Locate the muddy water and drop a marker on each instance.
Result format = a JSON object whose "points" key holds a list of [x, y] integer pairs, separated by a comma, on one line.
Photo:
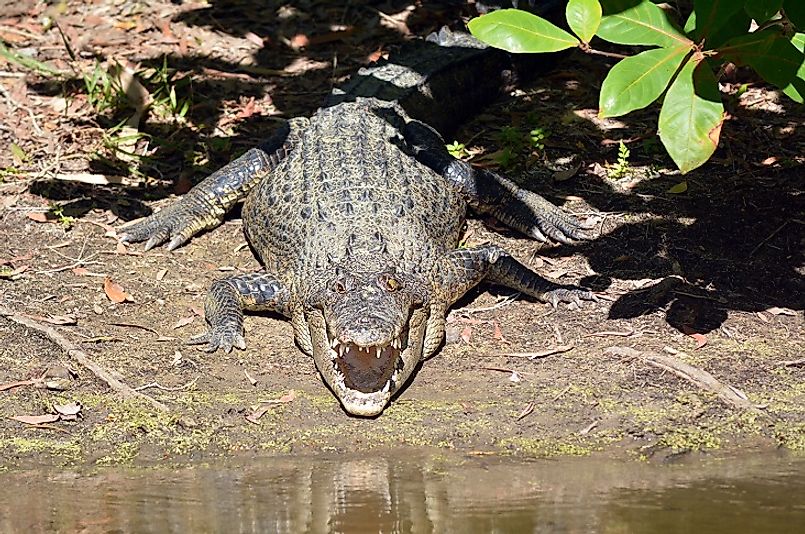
{"points": [[409, 492]]}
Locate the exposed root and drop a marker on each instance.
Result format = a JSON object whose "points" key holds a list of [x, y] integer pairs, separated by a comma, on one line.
{"points": [[698, 377], [81, 357]]}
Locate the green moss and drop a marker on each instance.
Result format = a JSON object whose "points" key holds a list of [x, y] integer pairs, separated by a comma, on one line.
{"points": [[689, 439], [69, 451], [544, 448], [124, 454], [791, 436]]}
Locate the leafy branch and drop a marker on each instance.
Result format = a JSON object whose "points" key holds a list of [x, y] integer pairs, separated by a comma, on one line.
{"points": [[679, 63]]}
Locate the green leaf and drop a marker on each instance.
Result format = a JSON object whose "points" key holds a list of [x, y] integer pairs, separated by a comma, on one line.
{"points": [[681, 187], [795, 11], [775, 58], [637, 81], [691, 116], [514, 30], [638, 22], [712, 15], [796, 88], [19, 154], [762, 10], [583, 17], [690, 24]]}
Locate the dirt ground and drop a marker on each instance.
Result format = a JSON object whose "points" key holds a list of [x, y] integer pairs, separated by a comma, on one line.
{"points": [[705, 284]]}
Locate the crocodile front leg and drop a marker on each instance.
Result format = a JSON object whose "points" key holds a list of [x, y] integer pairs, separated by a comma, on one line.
{"points": [[205, 205], [226, 301], [460, 270], [488, 192]]}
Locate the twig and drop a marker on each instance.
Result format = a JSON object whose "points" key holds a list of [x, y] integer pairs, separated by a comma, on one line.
{"points": [[16, 105], [774, 233], [560, 394], [166, 388], [792, 363], [606, 333], [692, 374], [540, 354], [81, 357], [503, 302]]}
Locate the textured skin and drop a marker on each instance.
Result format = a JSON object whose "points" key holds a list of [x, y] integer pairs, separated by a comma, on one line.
{"points": [[356, 214]]}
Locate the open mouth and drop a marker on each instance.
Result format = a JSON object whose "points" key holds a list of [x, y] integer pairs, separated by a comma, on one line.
{"points": [[368, 369]]}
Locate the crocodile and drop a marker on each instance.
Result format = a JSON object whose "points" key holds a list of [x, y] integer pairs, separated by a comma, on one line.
{"points": [[356, 215]]}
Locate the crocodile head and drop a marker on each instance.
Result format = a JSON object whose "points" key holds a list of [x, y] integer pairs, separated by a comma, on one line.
{"points": [[367, 331]]}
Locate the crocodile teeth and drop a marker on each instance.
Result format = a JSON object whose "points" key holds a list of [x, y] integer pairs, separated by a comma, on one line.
{"points": [[334, 343], [379, 352], [387, 387]]}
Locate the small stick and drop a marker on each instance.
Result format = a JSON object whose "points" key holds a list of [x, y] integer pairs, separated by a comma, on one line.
{"points": [[774, 233], [166, 388], [792, 363], [540, 354], [692, 374], [81, 357]]}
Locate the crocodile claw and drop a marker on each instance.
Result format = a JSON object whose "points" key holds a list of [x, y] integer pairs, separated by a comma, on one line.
{"points": [[219, 338]]}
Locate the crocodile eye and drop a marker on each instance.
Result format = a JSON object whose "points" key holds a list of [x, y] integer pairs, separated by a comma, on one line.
{"points": [[391, 284], [339, 287]]}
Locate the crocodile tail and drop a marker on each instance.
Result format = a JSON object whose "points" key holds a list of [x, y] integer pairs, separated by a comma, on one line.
{"points": [[441, 80]]}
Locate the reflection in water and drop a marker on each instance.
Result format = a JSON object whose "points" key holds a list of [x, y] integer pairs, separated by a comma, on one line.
{"points": [[410, 492]]}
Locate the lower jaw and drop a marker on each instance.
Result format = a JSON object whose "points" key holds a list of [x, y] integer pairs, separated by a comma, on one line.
{"points": [[364, 404]]}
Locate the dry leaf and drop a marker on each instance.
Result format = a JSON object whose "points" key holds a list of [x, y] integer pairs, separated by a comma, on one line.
{"points": [[36, 419], [254, 38], [69, 409], [264, 406], [466, 334], [60, 319], [556, 274], [299, 40], [115, 292], [701, 339], [38, 216], [526, 411], [80, 271], [774, 310], [497, 334], [184, 321], [161, 274], [17, 383]]}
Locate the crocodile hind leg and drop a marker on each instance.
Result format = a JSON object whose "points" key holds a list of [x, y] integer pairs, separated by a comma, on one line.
{"points": [[488, 192], [205, 205], [226, 301]]}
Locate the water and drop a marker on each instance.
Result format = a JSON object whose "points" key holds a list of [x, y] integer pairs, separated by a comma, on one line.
{"points": [[407, 491]]}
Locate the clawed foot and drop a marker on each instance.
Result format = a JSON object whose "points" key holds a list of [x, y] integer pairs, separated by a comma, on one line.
{"points": [[224, 337], [175, 224], [570, 295]]}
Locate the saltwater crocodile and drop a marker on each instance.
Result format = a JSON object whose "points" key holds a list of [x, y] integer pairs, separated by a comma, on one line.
{"points": [[356, 214]]}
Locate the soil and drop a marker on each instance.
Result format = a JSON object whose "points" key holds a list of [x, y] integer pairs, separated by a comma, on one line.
{"points": [[711, 276]]}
